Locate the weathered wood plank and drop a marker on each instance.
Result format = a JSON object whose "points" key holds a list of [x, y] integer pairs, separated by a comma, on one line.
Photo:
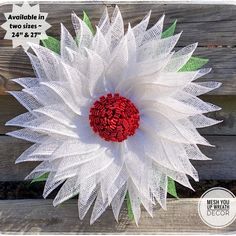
{"points": [[10, 108], [207, 24], [15, 63], [39, 216], [222, 165]]}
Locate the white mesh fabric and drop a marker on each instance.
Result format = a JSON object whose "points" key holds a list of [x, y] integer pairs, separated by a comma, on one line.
{"points": [[116, 29], [155, 48], [28, 135], [26, 100], [51, 184], [100, 46], [27, 82], [67, 41], [139, 65], [68, 190], [83, 34], [84, 207], [99, 207], [118, 200], [180, 58], [104, 23], [140, 29], [37, 67], [154, 32]]}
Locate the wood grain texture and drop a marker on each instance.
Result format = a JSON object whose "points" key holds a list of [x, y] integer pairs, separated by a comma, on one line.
{"points": [[14, 63], [222, 165], [39, 216], [10, 108], [207, 24]]}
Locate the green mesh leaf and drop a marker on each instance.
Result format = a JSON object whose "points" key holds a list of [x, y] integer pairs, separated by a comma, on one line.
{"points": [[41, 178], [52, 44], [129, 207], [171, 189], [193, 64], [87, 21], [170, 31]]}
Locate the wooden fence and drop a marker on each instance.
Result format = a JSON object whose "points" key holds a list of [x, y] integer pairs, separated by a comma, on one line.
{"points": [[214, 27]]}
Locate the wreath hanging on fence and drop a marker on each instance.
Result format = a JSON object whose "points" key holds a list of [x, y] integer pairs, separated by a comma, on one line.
{"points": [[114, 114]]}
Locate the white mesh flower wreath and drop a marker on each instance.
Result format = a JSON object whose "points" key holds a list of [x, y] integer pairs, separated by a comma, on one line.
{"points": [[113, 113]]}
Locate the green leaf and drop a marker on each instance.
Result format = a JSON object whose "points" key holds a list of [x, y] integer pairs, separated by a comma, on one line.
{"points": [[52, 44], [87, 21], [170, 31], [193, 64], [129, 207], [41, 178], [171, 188]]}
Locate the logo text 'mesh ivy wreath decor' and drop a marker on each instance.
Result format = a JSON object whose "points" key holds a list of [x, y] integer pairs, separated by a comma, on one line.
{"points": [[114, 114]]}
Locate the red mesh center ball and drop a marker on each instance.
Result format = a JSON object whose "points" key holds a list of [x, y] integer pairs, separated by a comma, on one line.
{"points": [[114, 117]]}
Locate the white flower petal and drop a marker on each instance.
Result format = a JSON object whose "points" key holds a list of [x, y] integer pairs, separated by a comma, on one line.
{"points": [[26, 100], [47, 147], [158, 186], [95, 73], [61, 89], [84, 207], [193, 152], [118, 201], [116, 69], [67, 41], [195, 102], [21, 119], [135, 202], [37, 67], [176, 176], [42, 168], [78, 62], [117, 28], [120, 180], [157, 48], [49, 61], [68, 190], [104, 23], [59, 113], [88, 188], [140, 29], [100, 46], [83, 33], [201, 121], [96, 166], [51, 184], [171, 130], [154, 32], [180, 58], [197, 89], [99, 207], [25, 155], [27, 82], [28, 135], [75, 147]]}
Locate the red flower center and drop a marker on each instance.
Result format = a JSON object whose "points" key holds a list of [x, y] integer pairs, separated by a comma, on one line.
{"points": [[114, 117]]}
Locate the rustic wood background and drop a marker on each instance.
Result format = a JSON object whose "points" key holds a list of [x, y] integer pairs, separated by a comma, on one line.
{"points": [[214, 27]]}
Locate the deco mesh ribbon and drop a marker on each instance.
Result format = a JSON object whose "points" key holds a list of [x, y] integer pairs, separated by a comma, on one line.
{"points": [[114, 114]]}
